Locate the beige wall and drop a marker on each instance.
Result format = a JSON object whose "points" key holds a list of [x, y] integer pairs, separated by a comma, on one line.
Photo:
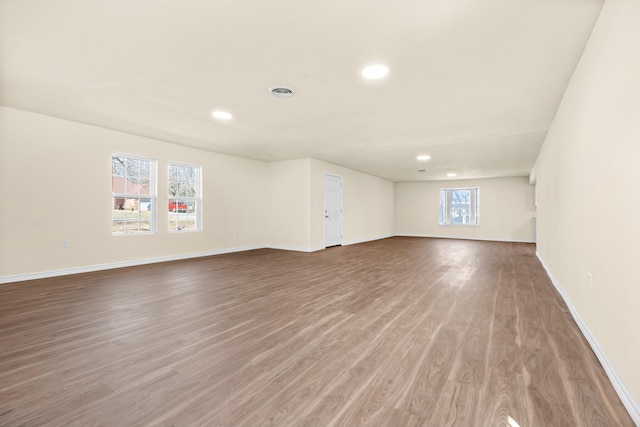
{"points": [[297, 205], [289, 205], [58, 173], [506, 210], [55, 185], [587, 190], [367, 201]]}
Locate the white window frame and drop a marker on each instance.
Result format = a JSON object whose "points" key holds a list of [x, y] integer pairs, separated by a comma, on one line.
{"points": [[474, 202], [196, 199], [124, 195]]}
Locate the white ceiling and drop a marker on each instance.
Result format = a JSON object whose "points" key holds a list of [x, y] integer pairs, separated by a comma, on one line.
{"points": [[475, 84]]}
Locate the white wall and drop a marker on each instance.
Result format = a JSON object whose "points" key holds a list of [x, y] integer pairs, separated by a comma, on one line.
{"points": [[506, 210], [588, 176], [55, 178]]}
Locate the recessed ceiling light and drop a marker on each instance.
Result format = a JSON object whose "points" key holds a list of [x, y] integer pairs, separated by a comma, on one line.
{"points": [[423, 157], [222, 115], [375, 71], [452, 174]]}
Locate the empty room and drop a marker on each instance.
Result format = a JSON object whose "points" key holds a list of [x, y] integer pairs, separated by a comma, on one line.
{"points": [[409, 213]]}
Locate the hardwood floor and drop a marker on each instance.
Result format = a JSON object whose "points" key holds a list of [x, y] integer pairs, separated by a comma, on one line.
{"points": [[396, 332]]}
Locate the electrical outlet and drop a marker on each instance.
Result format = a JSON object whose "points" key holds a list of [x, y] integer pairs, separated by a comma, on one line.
{"points": [[65, 244], [589, 282]]}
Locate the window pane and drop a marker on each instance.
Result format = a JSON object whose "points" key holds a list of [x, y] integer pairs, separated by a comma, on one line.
{"points": [[131, 178], [186, 189], [145, 169], [133, 167], [176, 205], [459, 206], [181, 173], [184, 197], [185, 218], [145, 187], [130, 186], [117, 166], [443, 206], [145, 204]]}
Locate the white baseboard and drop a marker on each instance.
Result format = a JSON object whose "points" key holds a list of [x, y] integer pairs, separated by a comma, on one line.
{"points": [[486, 239], [109, 266], [318, 248], [293, 248], [626, 398], [90, 268], [355, 242]]}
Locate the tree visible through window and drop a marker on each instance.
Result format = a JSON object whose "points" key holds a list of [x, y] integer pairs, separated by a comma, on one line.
{"points": [[184, 197], [459, 206], [133, 204]]}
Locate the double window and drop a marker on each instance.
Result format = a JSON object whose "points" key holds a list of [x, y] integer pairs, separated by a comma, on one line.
{"points": [[134, 207], [133, 195], [459, 206], [184, 197]]}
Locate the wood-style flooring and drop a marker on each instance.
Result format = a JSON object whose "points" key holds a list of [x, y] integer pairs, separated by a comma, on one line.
{"points": [[396, 332]]}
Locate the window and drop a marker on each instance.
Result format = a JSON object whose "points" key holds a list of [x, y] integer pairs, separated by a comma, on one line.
{"points": [[459, 206], [184, 197], [133, 188]]}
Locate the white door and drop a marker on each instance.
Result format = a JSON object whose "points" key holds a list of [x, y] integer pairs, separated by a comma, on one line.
{"points": [[332, 210]]}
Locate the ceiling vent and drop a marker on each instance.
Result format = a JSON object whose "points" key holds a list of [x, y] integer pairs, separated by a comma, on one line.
{"points": [[282, 91]]}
